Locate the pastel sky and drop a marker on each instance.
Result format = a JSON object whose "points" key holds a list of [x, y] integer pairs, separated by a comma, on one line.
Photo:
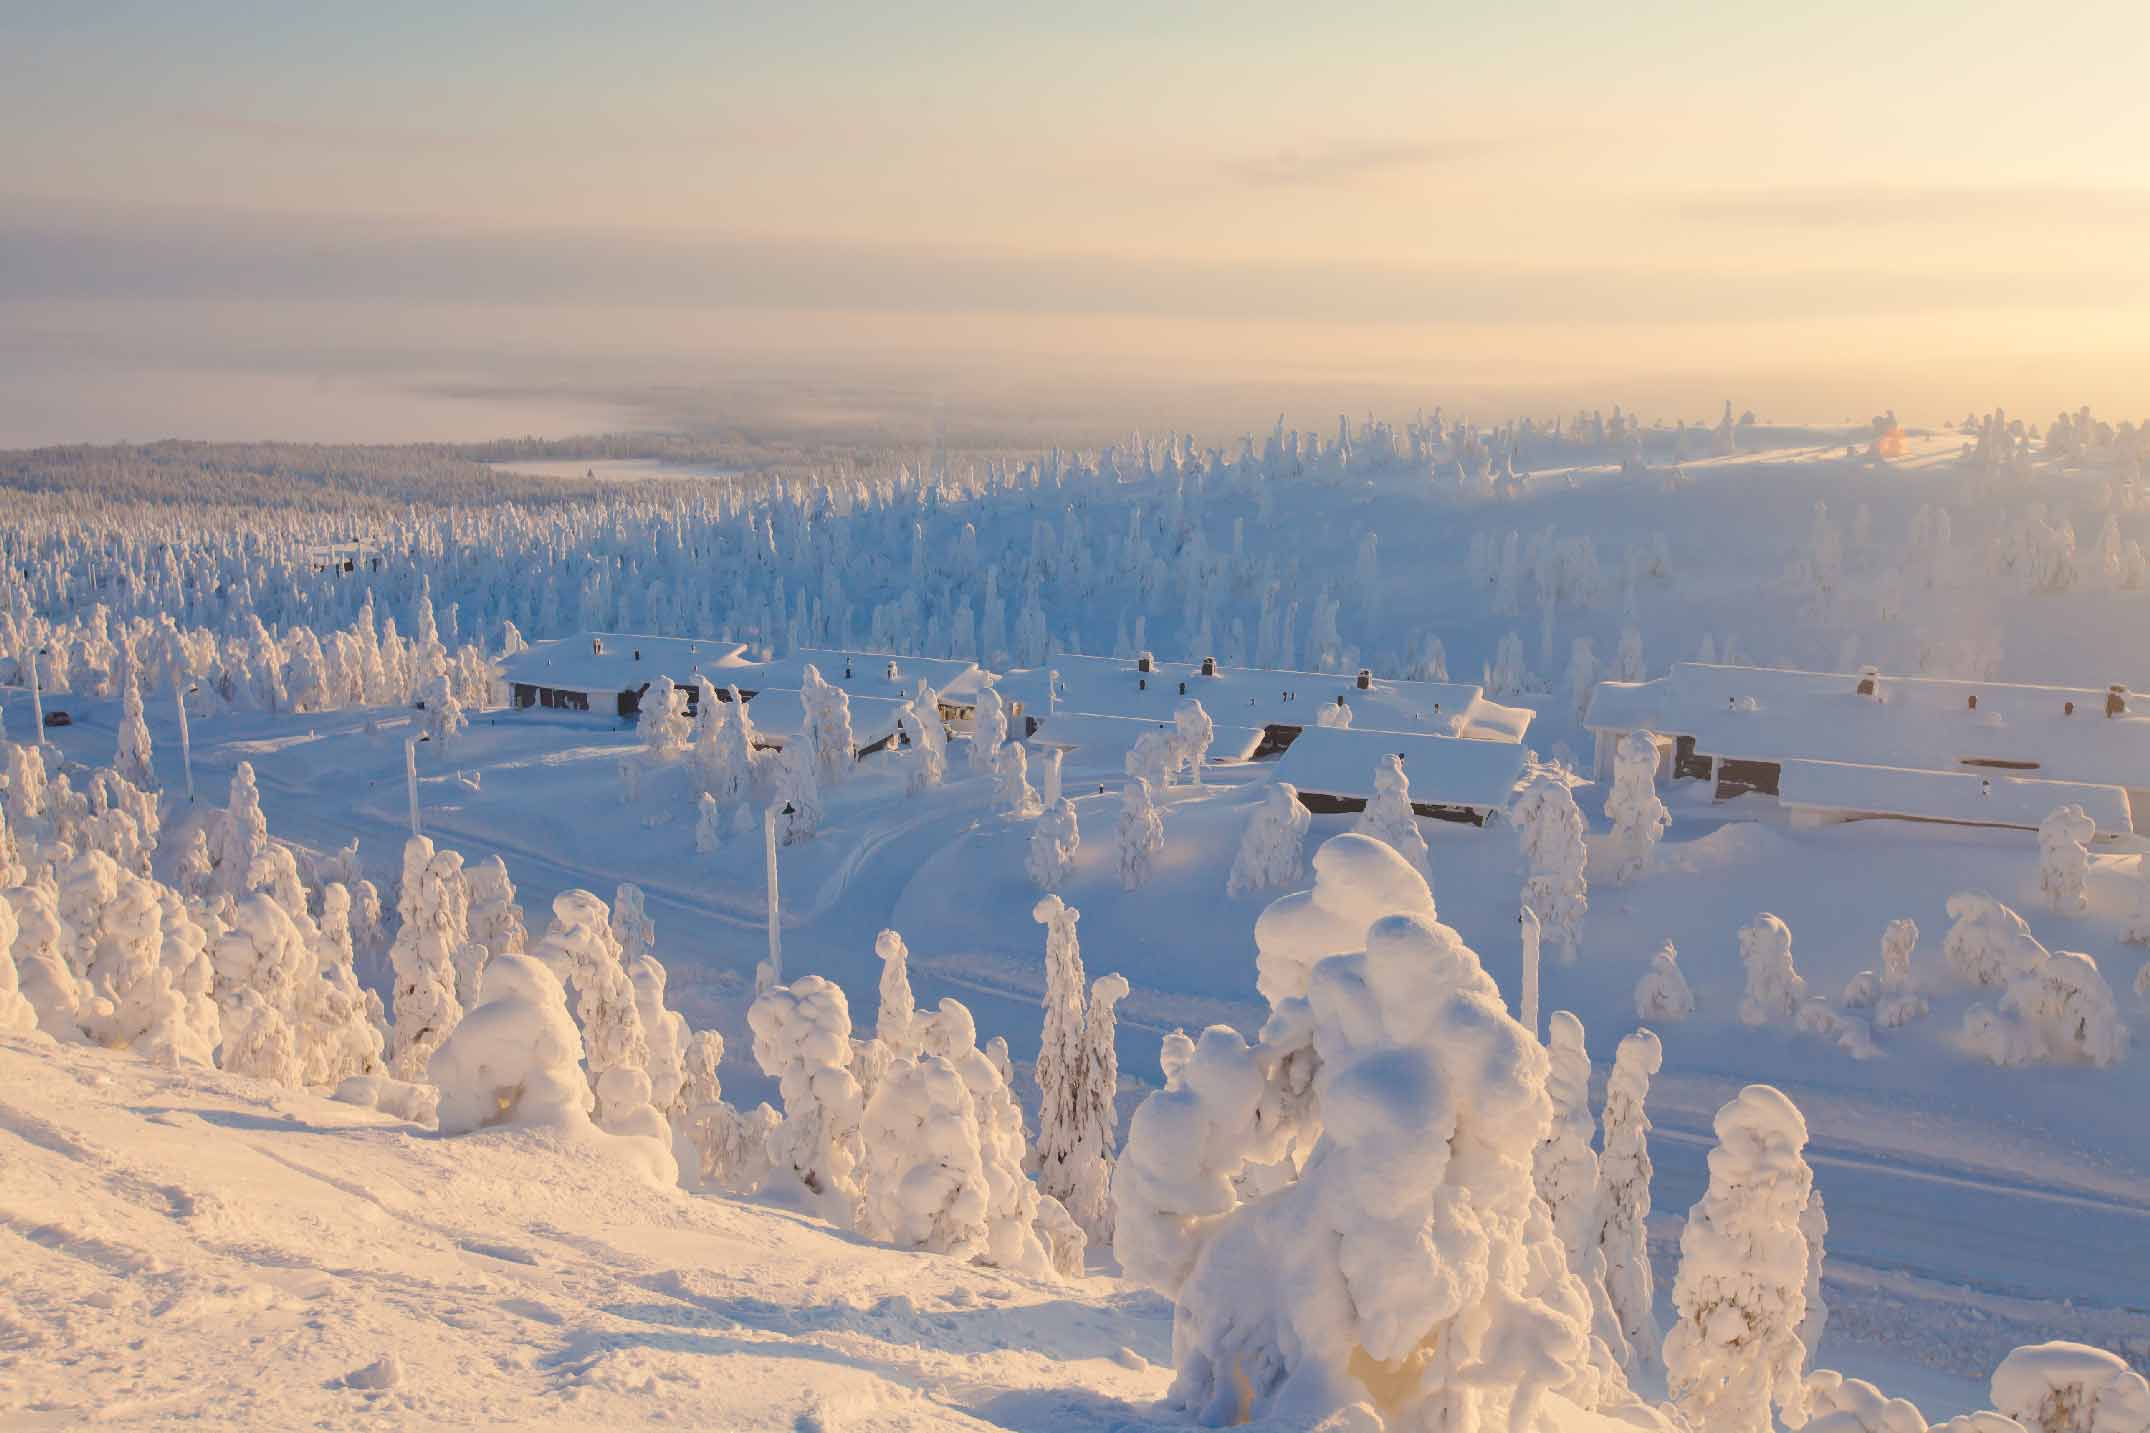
{"points": [[1805, 206]]}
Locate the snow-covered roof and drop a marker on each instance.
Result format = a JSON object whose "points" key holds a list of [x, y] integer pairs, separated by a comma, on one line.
{"points": [[610, 662], [1108, 739], [1919, 723], [1258, 697], [780, 715], [1443, 770], [1960, 796]]}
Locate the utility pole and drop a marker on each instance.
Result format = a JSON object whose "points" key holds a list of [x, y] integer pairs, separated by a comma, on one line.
{"points": [[771, 972]]}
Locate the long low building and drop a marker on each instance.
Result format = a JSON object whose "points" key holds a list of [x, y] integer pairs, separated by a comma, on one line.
{"points": [[1452, 778], [1770, 731], [609, 671], [1282, 704]]}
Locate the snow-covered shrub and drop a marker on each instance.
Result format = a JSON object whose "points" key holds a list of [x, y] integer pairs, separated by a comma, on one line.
{"points": [[515, 1059], [1565, 1170], [2071, 1388], [1550, 827], [2060, 1011], [1582, 677], [1065, 1243], [1192, 732], [259, 964], [434, 904], [720, 1147], [2064, 859], [1775, 989], [1663, 993], [1988, 944], [1624, 1173], [1388, 816], [1139, 835], [1272, 852], [802, 1039], [708, 825], [1054, 838], [1837, 1404], [42, 973], [1356, 880], [1012, 791], [1334, 715], [1733, 1350], [17, 1015], [1638, 816]]}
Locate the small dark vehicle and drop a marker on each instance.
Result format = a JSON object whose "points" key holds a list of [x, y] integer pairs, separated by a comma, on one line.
{"points": [[58, 719]]}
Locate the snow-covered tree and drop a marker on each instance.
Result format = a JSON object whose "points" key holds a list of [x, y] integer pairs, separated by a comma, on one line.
{"points": [[802, 1039], [828, 725], [496, 921], [1663, 992], [1097, 1134], [240, 836], [708, 825], [1582, 677], [1013, 1205], [1988, 944], [1893, 995], [798, 794], [661, 720], [1628, 663], [2059, 1011], [922, 1175], [434, 904], [1272, 851], [17, 1015], [1192, 732], [2071, 1388], [1733, 1350], [581, 945], [2064, 859], [341, 1038], [665, 1031], [1012, 791], [445, 718], [735, 763], [43, 973], [132, 759], [1139, 835], [928, 737], [989, 732], [1549, 827], [896, 1021], [515, 1060], [1638, 816], [1054, 839], [1624, 1173], [260, 963], [1775, 989], [1060, 1069], [1389, 817], [1814, 1228], [1836, 1404], [1565, 1170], [721, 1147]]}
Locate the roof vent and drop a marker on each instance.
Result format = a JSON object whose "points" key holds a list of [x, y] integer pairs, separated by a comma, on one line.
{"points": [[1145, 663], [1209, 666], [1366, 679]]}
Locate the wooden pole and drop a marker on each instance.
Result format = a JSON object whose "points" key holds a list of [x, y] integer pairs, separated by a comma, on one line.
{"points": [[1531, 937], [771, 972], [186, 738], [410, 778], [37, 697]]}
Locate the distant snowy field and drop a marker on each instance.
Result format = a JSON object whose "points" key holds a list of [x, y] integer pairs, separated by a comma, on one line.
{"points": [[268, 1243]]}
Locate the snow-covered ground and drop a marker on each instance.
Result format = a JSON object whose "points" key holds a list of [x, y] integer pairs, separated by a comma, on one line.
{"points": [[201, 1245]]}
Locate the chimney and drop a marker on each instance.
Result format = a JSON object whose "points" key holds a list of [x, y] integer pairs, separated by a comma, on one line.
{"points": [[1366, 679], [1145, 663], [1209, 666], [597, 646], [2116, 700]]}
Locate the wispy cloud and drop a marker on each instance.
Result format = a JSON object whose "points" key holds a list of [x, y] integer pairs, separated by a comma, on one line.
{"points": [[1901, 206], [1342, 163]]}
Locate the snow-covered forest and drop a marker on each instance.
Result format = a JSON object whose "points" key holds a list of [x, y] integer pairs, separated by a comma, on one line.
{"points": [[871, 1025]]}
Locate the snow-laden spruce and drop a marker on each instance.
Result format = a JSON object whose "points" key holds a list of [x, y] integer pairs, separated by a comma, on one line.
{"points": [[17, 1015], [1139, 834], [1097, 1125], [922, 1175], [716, 1146], [1012, 791], [1733, 1352], [802, 1039], [515, 1059], [1013, 1239], [1988, 944], [1814, 1228], [1192, 732], [131, 758], [1565, 1171], [581, 946], [1624, 1173], [664, 1029], [989, 732], [1060, 1069], [496, 921], [1775, 989], [1388, 817], [2064, 859], [1852, 1405], [2060, 1011], [434, 905], [1054, 838], [1407, 1263], [896, 1020], [1272, 850], [1663, 992], [1549, 826], [1638, 816]]}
